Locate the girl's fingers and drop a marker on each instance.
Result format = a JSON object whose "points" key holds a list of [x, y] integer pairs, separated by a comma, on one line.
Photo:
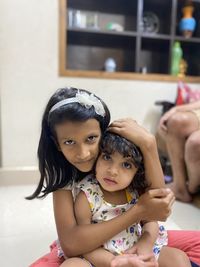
{"points": [[161, 192], [134, 261], [170, 198], [132, 250], [121, 122], [149, 260], [147, 257], [116, 125]]}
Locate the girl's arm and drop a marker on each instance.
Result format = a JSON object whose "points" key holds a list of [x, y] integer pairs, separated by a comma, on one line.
{"points": [[132, 131], [145, 244], [79, 239], [98, 257]]}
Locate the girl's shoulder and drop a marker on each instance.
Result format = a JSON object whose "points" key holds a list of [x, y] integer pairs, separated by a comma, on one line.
{"points": [[69, 186], [72, 186], [90, 186], [89, 182]]}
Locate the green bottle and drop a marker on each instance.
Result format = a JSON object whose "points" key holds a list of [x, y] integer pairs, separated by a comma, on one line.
{"points": [[177, 55]]}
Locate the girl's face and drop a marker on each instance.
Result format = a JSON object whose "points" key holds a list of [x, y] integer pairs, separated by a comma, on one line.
{"points": [[79, 142], [114, 172]]}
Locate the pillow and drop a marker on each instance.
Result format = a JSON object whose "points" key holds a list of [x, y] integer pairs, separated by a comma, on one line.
{"points": [[186, 95]]}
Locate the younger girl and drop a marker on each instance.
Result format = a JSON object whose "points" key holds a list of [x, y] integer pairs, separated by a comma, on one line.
{"points": [[119, 179], [72, 125]]}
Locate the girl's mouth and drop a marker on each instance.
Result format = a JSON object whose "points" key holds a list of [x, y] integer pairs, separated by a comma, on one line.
{"points": [[109, 181]]}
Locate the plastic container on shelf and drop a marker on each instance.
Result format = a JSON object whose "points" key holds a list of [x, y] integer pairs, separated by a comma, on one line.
{"points": [[110, 65], [187, 23], [177, 55]]}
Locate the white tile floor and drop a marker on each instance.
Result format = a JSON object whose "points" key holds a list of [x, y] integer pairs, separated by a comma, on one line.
{"points": [[27, 227]]}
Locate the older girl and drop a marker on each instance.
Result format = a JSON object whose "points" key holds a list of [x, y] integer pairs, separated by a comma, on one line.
{"points": [[72, 125]]}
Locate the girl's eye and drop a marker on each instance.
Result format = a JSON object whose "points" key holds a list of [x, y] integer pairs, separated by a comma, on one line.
{"points": [[92, 138], [69, 142], [106, 157], [127, 165]]}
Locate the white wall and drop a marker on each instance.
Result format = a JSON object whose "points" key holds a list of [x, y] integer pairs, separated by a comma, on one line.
{"points": [[29, 75]]}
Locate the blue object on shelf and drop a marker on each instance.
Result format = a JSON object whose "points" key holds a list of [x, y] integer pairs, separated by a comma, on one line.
{"points": [[187, 24]]}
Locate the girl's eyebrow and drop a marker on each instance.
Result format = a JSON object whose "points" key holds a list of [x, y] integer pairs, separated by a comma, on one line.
{"points": [[72, 138], [66, 137], [94, 133]]}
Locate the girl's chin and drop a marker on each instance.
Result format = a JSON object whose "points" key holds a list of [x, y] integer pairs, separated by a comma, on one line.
{"points": [[85, 168]]}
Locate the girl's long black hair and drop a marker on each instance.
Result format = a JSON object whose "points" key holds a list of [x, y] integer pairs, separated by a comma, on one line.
{"points": [[112, 142], [55, 170]]}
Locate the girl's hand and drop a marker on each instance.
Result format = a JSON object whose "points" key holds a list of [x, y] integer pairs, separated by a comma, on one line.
{"points": [[156, 204], [129, 129], [132, 260], [140, 249]]}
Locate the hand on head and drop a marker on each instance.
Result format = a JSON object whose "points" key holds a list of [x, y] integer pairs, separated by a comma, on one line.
{"points": [[131, 130]]}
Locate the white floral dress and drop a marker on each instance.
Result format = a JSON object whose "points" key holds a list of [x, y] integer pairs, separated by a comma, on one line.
{"points": [[104, 211]]}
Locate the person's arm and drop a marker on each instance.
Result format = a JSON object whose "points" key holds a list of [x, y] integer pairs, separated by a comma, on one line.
{"points": [[132, 131], [145, 244], [98, 257], [124, 260], [79, 239]]}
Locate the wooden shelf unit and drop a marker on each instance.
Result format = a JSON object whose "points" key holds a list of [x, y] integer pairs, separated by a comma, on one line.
{"points": [[83, 51]]}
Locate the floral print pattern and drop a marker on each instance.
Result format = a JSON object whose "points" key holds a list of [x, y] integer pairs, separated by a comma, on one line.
{"points": [[104, 211]]}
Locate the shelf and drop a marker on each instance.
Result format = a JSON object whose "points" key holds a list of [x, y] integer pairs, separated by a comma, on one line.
{"points": [[102, 39], [155, 55], [126, 7], [162, 10], [156, 36], [87, 39], [128, 76], [96, 57], [187, 40], [191, 53], [104, 32]]}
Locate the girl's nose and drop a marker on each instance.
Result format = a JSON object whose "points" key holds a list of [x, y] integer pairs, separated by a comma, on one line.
{"points": [[113, 170], [83, 153]]}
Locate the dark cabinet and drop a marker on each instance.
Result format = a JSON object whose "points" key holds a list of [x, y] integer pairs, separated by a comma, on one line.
{"points": [[137, 34]]}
